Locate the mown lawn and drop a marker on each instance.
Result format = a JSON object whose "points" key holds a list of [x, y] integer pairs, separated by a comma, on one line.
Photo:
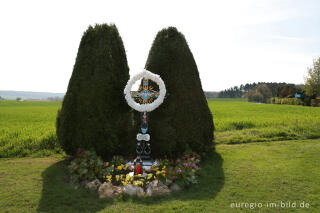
{"points": [[246, 173]]}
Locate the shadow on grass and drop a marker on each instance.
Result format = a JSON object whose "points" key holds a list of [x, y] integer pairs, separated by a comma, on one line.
{"points": [[210, 184], [59, 196]]}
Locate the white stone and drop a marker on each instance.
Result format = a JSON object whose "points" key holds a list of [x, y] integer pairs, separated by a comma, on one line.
{"points": [[133, 190], [109, 190], [157, 188], [93, 185]]}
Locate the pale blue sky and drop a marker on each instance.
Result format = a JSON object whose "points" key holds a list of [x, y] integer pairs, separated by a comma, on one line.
{"points": [[233, 41]]}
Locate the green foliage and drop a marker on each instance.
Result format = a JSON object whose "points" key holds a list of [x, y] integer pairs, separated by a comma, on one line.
{"points": [[255, 96], [261, 93], [94, 114], [184, 119], [312, 84], [290, 101], [186, 170], [288, 90], [85, 166], [315, 102]]}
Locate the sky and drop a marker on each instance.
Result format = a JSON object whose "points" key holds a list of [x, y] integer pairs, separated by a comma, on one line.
{"points": [[233, 42]]}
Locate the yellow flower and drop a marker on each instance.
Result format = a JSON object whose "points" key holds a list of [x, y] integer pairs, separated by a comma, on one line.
{"points": [[120, 167], [163, 167], [149, 176], [158, 173], [138, 183], [117, 177], [109, 178], [125, 167], [154, 168]]}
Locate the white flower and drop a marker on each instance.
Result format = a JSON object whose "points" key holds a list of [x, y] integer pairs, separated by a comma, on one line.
{"points": [[150, 106]]}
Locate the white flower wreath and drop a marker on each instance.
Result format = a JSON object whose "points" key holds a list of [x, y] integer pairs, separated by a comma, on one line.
{"points": [[150, 106]]}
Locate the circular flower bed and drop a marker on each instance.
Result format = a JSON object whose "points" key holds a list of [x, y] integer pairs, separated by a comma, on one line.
{"points": [[88, 169]]}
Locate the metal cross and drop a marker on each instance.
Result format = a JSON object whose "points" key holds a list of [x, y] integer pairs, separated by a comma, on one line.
{"points": [[144, 95]]}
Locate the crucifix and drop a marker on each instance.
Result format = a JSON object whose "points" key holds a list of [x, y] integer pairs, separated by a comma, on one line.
{"points": [[144, 100], [144, 95]]}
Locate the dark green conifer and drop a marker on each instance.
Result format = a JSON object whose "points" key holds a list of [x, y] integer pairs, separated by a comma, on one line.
{"points": [[184, 120], [94, 114]]}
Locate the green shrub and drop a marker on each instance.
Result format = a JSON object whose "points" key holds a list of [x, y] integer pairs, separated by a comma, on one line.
{"points": [[184, 120], [289, 101], [261, 94], [315, 102], [255, 96], [94, 114], [186, 170], [85, 166]]}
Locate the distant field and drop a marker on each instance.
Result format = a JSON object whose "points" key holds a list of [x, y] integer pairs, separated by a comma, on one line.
{"points": [[28, 128], [238, 121]]}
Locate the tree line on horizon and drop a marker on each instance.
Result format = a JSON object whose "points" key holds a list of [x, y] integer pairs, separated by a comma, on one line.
{"points": [[276, 89], [282, 93]]}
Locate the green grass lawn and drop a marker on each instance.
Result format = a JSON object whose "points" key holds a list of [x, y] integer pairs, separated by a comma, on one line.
{"points": [[244, 173], [239, 174], [238, 121]]}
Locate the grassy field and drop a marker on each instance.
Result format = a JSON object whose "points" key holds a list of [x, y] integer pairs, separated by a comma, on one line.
{"points": [[238, 121], [28, 128], [256, 173]]}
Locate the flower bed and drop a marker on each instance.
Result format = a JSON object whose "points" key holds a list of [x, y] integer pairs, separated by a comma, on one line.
{"points": [[86, 167]]}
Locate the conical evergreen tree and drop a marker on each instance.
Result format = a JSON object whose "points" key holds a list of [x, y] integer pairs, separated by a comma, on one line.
{"points": [[184, 121], [94, 114]]}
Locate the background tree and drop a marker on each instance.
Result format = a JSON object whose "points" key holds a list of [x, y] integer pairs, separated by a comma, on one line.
{"points": [[184, 121], [261, 93], [312, 81], [94, 114]]}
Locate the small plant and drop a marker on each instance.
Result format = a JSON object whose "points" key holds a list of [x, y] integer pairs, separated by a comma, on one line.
{"points": [[185, 170], [85, 166]]}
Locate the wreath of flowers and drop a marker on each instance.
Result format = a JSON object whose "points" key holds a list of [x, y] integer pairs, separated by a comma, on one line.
{"points": [[150, 106]]}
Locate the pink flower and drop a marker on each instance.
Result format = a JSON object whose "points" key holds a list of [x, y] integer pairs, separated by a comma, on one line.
{"points": [[69, 158], [179, 171], [185, 164], [194, 165], [192, 159]]}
